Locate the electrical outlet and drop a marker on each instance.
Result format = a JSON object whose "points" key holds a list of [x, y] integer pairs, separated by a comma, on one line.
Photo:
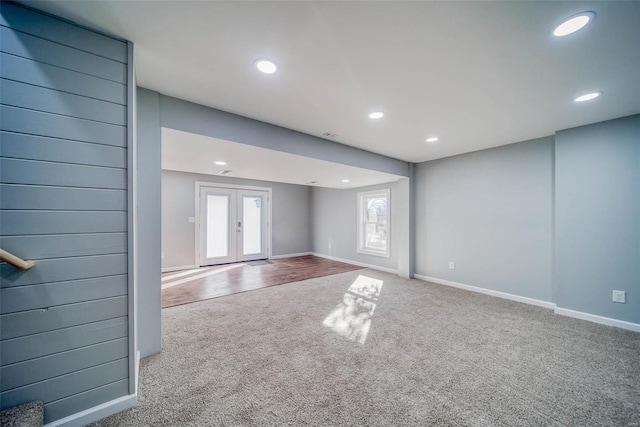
{"points": [[452, 265], [619, 296]]}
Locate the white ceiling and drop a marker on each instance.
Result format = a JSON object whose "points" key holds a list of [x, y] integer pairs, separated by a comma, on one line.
{"points": [[476, 74], [189, 152]]}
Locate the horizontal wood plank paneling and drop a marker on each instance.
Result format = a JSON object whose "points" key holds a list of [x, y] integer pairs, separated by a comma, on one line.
{"points": [[23, 95], [64, 323], [58, 198], [62, 316], [88, 399], [19, 223], [48, 52], [46, 124], [31, 147], [35, 172], [34, 297], [66, 385], [62, 32], [38, 345], [61, 269], [34, 370], [65, 245], [52, 77]]}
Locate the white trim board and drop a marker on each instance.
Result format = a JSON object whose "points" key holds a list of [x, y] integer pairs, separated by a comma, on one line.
{"points": [[597, 319], [503, 295], [178, 268], [290, 255], [104, 410], [132, 216], [137, 370], [531, 301], [97, 412], [359, 264]]}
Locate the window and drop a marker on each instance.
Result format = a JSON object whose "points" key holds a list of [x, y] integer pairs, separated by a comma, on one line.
{"points": [[373, 223]]}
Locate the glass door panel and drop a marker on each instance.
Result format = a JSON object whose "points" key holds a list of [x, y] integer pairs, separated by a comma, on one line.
{"points": [[252, 211], [252, 225], [233, 225], [217, 227]]}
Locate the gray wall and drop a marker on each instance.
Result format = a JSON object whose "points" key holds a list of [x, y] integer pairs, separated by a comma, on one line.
{"points": [[149, 158], [63, 201], [290, 222], [335, 223], [597, 246], [491, 213]]}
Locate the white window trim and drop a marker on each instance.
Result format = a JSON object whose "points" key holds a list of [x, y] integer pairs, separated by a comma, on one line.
{"points": [[383, 192]]}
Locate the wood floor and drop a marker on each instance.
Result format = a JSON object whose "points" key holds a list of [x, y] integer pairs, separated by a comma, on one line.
{"points": [[199, 284]]}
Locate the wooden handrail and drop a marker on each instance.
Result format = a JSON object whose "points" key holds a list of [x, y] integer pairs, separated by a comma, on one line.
{"points": [[15, 261]]}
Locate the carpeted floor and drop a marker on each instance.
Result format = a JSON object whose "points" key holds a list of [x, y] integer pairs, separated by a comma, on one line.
{"points": [[369, 348]]}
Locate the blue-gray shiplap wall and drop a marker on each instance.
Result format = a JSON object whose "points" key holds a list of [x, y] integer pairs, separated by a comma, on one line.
{"points": [[63, 202]]}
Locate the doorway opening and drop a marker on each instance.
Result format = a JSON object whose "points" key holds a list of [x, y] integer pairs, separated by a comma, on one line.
{"points": [[232, 224]]}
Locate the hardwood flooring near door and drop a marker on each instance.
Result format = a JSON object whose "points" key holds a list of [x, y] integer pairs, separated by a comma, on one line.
{"points": [[198, 284]]}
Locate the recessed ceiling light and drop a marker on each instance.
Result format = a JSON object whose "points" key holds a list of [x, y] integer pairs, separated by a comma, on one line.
{"points": [[376, 115], [588, 96], [432, 139], [345, 180], [266, 66], [221, 163], [573, 24]]}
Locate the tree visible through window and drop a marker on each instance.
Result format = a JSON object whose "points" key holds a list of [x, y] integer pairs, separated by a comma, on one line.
{"points": [[373, 222]]}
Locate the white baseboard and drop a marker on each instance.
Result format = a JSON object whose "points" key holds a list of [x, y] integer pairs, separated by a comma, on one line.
{"points": [[97, 412], [545, 304], [290, 255], [178, 268], [359, 264], [597, 319], [504, 295]]}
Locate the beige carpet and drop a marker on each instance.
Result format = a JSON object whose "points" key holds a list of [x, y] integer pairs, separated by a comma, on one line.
{"points": [[369, 348]]}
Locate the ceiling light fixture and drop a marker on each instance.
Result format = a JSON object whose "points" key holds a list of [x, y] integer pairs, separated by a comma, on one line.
{"points": [[220, 163], [573, 24], [432, 139], [266, 66], [376, 115], [345, 180], [587, 96]]}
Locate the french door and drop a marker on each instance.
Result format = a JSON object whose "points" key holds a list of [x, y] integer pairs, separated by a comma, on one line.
{"points": [[233, 225]]}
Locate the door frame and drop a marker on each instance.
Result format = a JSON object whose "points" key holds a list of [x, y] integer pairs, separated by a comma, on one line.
{"points": [[196, 231]]}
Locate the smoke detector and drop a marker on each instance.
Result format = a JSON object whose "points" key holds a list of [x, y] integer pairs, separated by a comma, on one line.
{"points": [[329, 135]]}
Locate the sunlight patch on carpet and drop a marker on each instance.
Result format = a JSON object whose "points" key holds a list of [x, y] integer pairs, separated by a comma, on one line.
{"points": [[352, 317]]}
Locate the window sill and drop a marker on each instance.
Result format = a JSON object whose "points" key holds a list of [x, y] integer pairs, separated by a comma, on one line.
{"points": [[374, 253]]}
